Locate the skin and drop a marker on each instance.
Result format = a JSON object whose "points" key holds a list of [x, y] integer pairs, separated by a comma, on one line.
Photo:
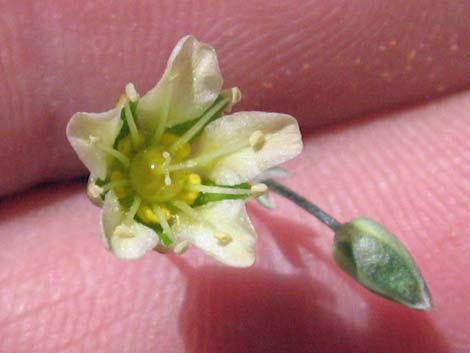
{"points": [[380, 92]]}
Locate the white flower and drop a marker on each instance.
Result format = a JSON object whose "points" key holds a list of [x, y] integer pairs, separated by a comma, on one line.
{"points": [[168, 168]]}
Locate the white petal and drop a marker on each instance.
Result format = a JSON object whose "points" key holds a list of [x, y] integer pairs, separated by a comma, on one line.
{"points": [[218, 219], [132, 241], [276, 139], [190, 84], [125, 240], [85, 130], [111, 216]]}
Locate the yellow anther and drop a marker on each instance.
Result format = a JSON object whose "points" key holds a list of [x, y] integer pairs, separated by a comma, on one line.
{"points": [[222, 238], [166, 212], [125, 146], [257, 140], [194, 179], [146, 214], [189, 196]]}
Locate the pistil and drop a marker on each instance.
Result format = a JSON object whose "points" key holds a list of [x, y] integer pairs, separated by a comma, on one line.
{"points": [[165, 166]]}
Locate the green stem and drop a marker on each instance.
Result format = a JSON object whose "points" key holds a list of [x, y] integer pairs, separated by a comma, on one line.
{"points": [[300, 201]]}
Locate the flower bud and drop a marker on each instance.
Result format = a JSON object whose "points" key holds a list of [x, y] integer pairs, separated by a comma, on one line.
{"points": [[377, 260]]}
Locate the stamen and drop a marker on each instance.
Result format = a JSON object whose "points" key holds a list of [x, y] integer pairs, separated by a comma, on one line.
{"points": [[94, 192], [183, 207], [135, 137], [133, 209], [258, 189], [209, 157], [114, 184], [111, 151], [218, 190], [206, 158], [189, 197], [161, 126], [188, 135], [163, 222], [167, 179], [233, 95], [189, 164], [131, 92], [165, 168], [146, 214]]}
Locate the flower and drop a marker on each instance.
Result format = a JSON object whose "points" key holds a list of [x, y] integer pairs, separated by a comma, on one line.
{"points": [[169, 169]]}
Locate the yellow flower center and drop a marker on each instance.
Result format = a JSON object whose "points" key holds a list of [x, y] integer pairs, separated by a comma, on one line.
{"points": [[150, 178]]}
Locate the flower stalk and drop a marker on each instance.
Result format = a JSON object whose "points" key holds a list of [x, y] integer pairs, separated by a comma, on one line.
{"points": [[302, 202]]}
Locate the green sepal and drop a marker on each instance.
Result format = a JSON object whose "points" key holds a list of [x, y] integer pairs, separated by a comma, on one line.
{"points": [[205, 198], [376, 259], [181, 128]]}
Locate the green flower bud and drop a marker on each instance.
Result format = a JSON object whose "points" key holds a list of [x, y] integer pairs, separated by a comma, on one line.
{"points": [[378, 261]]}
